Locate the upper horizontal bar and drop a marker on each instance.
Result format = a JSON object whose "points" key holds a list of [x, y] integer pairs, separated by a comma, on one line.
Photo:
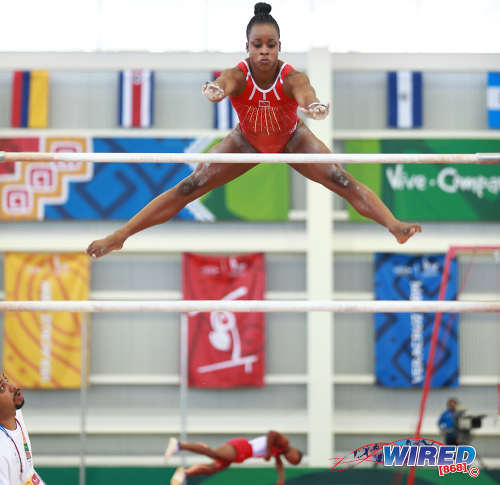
{"points": [[386, 306], [483, 158]]}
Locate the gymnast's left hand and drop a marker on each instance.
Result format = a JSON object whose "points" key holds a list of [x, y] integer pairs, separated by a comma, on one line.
{"points": [[316, 111]]}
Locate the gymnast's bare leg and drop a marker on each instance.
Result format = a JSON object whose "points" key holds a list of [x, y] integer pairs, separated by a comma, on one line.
{"points": [[206, 177], [335, 178]]}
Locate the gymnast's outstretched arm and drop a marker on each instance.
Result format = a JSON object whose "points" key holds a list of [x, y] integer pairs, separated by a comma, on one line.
{"points": [[280, 469], [298, 86], [231, 82]]}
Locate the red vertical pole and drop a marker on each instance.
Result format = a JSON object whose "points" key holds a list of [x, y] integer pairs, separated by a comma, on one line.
{"points": [[432, 351]]}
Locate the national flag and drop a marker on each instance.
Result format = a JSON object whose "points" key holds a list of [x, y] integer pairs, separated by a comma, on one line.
{"points": [[404, 99], [30, 96], [136, 98], [493, 100], [225, 116]]}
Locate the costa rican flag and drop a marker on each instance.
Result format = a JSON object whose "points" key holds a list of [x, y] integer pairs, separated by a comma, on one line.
{"points": [[404, 96], [136, 95], [493, 100], [225, 116]]}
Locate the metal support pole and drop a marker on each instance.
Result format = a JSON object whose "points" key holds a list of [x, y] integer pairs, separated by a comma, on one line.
{"points": [[183, 396], [83, 395]]}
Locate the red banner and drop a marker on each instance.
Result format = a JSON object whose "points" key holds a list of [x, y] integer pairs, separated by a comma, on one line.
{"points": [[225, 349]]}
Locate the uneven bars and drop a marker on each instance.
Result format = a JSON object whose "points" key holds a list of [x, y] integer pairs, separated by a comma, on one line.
{"points": [[479, 158], [386, 306]]}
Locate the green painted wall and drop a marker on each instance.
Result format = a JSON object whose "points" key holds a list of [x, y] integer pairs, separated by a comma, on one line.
{"points": [[262, 476]]}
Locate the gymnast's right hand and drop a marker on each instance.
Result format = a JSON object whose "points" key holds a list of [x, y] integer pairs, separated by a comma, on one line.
{"points": [[101, 247], [212, 91]]}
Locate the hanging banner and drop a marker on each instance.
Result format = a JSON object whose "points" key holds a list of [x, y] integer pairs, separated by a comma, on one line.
{"points": [[43, 349], [225, 349], [30, 189], [431, 192], [402, 340], [120, 190]]}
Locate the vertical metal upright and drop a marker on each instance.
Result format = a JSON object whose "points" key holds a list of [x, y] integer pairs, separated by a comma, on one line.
{"points": [[183, 389], [84, 329], [319, 277]]}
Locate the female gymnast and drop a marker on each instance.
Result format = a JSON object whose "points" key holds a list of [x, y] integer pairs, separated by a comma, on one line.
{"points": [[238, 450], [266, 92]]}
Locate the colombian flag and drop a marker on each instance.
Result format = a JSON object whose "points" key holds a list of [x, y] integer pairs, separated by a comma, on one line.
{"points": [[30, 95]]}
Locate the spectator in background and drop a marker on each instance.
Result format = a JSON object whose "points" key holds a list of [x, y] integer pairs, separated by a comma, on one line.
{"points": [[448, 422], [16, 460]]}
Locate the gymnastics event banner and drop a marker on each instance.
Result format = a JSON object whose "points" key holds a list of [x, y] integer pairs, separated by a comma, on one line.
{"points": [[431, 192], [225, 349], [402, 340], [111, 191], [43, 349]]}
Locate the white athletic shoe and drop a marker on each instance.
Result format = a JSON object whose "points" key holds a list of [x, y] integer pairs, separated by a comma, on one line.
{"points": [[178, 478], [172, 448]]}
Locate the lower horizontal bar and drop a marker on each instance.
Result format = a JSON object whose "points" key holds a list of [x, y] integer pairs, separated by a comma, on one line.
{"points": [[383, 306]]}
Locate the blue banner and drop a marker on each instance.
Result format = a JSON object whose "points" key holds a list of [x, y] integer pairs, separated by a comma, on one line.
{"points": [[119, 190], [402, 340]]}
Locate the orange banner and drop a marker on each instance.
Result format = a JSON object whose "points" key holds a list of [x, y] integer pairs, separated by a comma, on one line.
{"points": [[29, 187], [43, 350]]}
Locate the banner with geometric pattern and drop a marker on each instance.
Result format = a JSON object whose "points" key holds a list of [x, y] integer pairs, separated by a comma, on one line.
{"points": [[402, 340], [29, 189], [43, 349], [94, 191], [120, 190]]}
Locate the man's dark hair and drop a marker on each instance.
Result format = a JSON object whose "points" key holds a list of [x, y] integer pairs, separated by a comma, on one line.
{"points": [[262, 16]]}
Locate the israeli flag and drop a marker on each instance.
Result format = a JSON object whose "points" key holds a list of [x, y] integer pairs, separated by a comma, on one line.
{"points": [[493, 100], [404, 96], [225, 116]]}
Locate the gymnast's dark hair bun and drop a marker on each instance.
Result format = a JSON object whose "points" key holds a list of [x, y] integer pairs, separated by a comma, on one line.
{"points": [[262, 16], [262, 8]]}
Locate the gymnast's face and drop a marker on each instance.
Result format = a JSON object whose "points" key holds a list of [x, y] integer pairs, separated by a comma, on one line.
{"points": [[263, 47]]}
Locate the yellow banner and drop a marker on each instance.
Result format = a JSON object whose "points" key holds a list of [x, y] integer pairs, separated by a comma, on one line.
{"points": [[43, 350]]}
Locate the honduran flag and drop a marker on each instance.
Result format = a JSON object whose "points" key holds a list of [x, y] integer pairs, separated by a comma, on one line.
{"points": [[493, 100], [225, 116], [136, 98], [404, 99], [30, 99]]}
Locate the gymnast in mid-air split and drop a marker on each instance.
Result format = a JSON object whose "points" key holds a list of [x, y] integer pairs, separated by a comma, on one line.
{"points": [[265, 92]]}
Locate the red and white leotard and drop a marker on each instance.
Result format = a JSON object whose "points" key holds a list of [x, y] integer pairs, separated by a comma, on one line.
{"points": [[255, 448], [268, 117]]}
